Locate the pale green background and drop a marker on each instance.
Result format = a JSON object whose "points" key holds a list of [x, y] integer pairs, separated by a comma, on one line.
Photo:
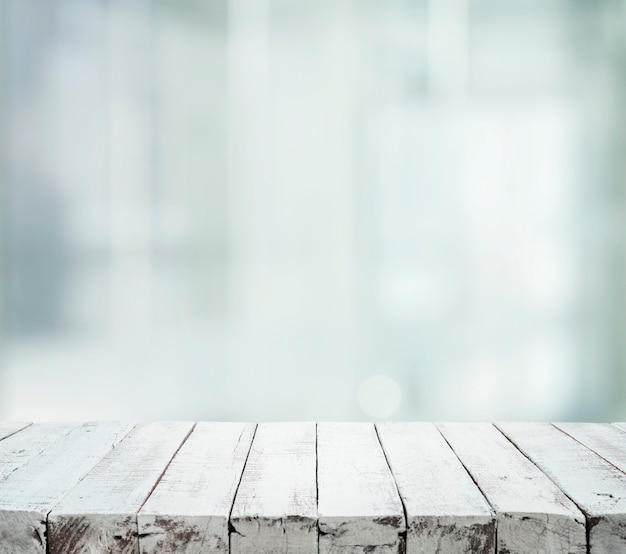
{"points": [[244, 209]]}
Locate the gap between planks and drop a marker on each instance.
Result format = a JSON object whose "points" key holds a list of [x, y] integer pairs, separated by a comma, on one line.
{"points": [[100, 513], [601, 441], [596, 486]]}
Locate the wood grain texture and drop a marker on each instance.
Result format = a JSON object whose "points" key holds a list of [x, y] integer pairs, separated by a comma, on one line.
{"points": [[359, 508], [605, 440], [100, 514], [446, 512], [28, 494], [345, 488], [275, 506], [188, 511], [534, 515], [597, 487], [8, 428], [19, 448]]}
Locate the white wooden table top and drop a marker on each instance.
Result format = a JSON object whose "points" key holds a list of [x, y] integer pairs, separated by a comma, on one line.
{"points": [[345, 488]]}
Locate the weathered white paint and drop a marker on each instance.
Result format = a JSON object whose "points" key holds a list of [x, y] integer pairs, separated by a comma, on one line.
{"points": [[187, 513], [604, 439], [533, 513], [359, 508], [9, 428], [620, 425], [177, 487], [28, 494], [597, 487], [100, 514], [275, 505], [445, 510], [21, 447]]}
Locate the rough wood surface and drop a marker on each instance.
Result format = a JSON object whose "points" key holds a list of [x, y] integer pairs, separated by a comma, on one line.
{"points": [[100, 514], [9, 428], [597, 487], [19, 448], [28, 494], [344, 488], [275, 505], [533, 513], [446, 512], [188, 511], [606, 440], [359, 508]]}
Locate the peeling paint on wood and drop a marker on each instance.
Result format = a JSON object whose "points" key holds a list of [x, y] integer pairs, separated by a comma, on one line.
{"points": [[597, 487], [533, 513], [275, 506], [359, 507], [30, 492], [188, 511], [445, 510], [99, 515], [91, 488]]}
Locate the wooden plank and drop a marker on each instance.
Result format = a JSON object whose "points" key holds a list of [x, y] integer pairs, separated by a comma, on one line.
{"points": [[359, 508], [604, 439], [99, 515], [275, 505], [30, 492], [188, 511], [598, 488], [534, 515], [8, 428], [19, 448], [620, 425], [445, 510]]}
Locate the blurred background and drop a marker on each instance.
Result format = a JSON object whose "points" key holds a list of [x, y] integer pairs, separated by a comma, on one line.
{"points": [[339, 209]]}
